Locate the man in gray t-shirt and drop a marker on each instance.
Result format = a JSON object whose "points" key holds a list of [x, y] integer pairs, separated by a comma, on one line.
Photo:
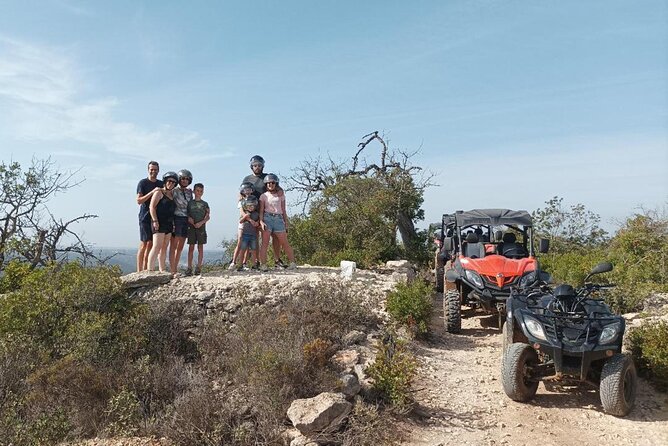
{"points": [[257, 177]]}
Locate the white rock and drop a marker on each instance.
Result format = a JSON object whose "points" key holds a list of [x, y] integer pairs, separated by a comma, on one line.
{"points": [[348, 269], [321, 413]]}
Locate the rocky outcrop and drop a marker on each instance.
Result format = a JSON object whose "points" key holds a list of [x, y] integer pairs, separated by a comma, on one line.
{"points": [[322, 413], [145, 279]]}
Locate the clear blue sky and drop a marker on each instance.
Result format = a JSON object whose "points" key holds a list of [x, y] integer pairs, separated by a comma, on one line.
{"points": [[511, 102]]}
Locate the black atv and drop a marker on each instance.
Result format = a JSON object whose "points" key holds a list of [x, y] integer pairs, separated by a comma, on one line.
{"points": [[564, 336]]}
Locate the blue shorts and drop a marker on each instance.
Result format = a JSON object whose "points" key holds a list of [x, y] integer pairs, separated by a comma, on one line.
{"points": [[248, 241], [274, 222], [145, 230], [180, 226]]}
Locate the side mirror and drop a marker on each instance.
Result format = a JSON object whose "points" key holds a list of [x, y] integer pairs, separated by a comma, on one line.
{"points": [[602, 267], [447, 244], [543, 246]]}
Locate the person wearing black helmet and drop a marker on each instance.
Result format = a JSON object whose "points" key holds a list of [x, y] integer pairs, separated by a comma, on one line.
{"points": [[257, 180], [182, 196], [145, 190], [162, 220]]}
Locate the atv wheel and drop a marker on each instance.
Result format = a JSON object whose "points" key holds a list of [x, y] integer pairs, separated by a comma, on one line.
{"points": [[619, 383], [440, 275], [452, 312], [515, 372], [507, 337]]}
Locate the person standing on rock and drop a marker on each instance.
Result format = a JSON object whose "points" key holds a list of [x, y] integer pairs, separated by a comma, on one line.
{"points": [[162, 220], [145, 190], [182, 196], [259, 187], [274, 220]]}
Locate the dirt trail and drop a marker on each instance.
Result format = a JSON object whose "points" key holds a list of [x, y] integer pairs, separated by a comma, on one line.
{"points": [[461, 400]]}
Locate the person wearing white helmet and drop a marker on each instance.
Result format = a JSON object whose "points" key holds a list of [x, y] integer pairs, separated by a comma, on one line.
{"points": [[274, 220], [182, 196]]}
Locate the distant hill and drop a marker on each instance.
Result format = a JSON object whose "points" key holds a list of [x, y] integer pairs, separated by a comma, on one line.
{"points": [[126, 258]]}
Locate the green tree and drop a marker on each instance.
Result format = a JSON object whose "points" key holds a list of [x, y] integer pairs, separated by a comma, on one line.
{"points": [[574, 228], [355, 209]]}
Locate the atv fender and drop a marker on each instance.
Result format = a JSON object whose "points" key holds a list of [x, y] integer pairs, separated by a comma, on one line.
{"points": [[451, 275]]}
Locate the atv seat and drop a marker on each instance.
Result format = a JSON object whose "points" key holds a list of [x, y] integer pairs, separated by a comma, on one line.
{"points": [[472, 247], [511, 249]]}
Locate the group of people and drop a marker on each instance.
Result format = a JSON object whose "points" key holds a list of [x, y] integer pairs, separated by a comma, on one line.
{"points": [[171, 212]]}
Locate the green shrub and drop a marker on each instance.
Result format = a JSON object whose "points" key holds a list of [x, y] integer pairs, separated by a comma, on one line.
{"points": [[649, 346], [12, 276], [393, 372], [123, 414], [411, 305]]}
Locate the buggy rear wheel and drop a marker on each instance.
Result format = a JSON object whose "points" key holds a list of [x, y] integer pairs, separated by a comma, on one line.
{"points": [[516, 367], [619, 383], [452, 311]]}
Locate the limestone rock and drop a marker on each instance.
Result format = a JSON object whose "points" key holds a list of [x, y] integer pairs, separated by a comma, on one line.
{"points": [[346, 359], [354, 337], [398, 264], [145, 278], [320, 413], [350, 385]]}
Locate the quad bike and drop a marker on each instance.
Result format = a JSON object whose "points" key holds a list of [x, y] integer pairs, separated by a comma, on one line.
{"points": [[566, 336], [479, 262]]}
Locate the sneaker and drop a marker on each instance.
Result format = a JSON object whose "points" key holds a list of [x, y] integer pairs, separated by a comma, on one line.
{"points": [[241, 267], [232, 266], [256, 266], [292, 265], [189, 272], [198, 271], [279, 264]]}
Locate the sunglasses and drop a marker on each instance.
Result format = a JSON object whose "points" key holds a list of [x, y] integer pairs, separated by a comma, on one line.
{"points": [[271, 182], [257, 165]]}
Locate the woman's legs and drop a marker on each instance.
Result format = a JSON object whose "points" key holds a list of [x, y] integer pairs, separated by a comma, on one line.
{"points": [[282, 238], [265, 246], [155, 250], [164, 248]]}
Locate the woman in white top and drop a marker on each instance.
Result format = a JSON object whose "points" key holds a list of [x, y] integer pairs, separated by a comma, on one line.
{"points": [[274, 220]]}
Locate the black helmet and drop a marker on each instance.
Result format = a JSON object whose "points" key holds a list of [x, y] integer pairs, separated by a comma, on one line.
{"points": [[251, 200], [256, 159], [185, 173], [270, 177], [244, 186], [169, 175]]}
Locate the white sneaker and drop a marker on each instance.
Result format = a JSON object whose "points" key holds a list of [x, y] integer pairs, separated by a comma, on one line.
{"points": [[232, 267], [292, 265]]}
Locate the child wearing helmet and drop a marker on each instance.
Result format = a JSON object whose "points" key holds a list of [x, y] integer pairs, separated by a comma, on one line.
{"points": [[245, 190], [162, 220], [182, 196], [250, 222], [274, 220]]}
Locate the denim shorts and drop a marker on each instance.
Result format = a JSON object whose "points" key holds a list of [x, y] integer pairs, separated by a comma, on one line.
{"points": [[274, 222], [248, 241], [180, 226]]}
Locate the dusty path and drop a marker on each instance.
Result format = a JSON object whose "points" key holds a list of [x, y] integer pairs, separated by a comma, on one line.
{"points": [[461, 401]]}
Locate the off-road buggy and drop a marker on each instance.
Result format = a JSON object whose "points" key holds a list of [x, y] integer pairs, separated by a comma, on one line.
{"points": [[484, 252], [563, 337]]}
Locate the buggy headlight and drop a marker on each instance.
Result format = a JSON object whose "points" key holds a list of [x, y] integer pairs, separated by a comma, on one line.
{"points": [[609, 333], [535, 328], [475, 278], [528, 279]]}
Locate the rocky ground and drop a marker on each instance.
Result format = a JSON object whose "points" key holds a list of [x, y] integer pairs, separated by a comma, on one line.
{"points": [[461, 400]]}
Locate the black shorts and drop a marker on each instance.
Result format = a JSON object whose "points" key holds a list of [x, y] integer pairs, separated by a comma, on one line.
{"points": [[180, 226], [196, 236], [145, 231]]}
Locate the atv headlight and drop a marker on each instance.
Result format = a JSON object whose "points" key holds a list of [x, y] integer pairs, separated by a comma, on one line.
{"points": [[528, 279], [535, 328], [475, 278], [609, 333]]}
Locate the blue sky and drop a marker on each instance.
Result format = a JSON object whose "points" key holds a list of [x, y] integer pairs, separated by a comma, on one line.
{"points": [[510, 102]]}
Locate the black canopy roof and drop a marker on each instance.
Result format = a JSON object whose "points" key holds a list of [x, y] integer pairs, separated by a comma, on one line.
{"points": [[493, 217]]}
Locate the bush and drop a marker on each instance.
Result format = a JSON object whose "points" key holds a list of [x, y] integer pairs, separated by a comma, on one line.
{"points": [[411, 305], [393, 372], [649, 346]]}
